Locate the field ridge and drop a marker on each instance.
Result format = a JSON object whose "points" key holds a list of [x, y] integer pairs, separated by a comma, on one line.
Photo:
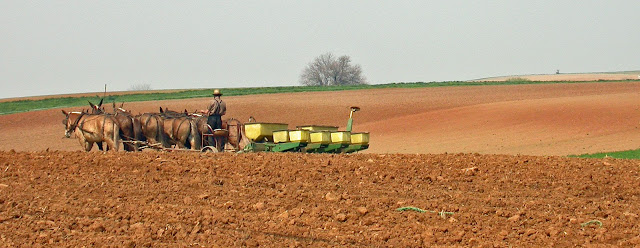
{"points": [[19, 105]]}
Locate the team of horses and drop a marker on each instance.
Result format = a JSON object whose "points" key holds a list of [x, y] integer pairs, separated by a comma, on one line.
{"points": [[163, 130]]}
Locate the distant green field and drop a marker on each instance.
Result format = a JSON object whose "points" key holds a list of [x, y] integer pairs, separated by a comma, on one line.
{"points": [[625, 72], [630, 154], [64, 102]]}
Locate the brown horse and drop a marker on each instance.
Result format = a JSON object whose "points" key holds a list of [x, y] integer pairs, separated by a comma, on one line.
{"points": [[132, 130], [202, 126], [182, 132], [91, 129], [236, 139], [152, 126], [129, 127], [180, 129]]}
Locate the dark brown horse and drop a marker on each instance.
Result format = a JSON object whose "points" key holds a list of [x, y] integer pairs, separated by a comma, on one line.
{"points": [[132, 128], [91, 129]]}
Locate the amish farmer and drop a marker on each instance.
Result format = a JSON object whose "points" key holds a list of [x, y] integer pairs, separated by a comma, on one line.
{"points": [[216, 110]]}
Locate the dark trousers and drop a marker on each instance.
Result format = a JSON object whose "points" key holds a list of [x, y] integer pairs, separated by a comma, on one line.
{"points": [[215, 121]]}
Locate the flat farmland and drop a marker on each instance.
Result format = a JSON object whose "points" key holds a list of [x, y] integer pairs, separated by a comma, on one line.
{"points": [[484, 163], [542, 119]]}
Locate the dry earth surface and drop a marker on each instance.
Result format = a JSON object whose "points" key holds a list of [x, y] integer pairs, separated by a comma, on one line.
{"points": [[52, 194], [315, 200]]}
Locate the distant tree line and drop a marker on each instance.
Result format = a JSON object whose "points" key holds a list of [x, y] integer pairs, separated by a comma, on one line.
{"points": [[139, 87]]}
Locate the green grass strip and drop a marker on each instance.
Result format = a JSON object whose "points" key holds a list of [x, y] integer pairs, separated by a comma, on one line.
{"points": [[63, 102], [592, 222], [442, 213], [402, 209], [629, 154]]}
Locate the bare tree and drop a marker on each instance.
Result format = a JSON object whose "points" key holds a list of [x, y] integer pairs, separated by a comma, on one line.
{"points": [[326, 70], [140, 87]]}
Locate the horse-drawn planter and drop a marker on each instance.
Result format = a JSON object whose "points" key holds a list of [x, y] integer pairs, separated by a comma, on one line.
{"points": [[181, 131], [277, 137]]}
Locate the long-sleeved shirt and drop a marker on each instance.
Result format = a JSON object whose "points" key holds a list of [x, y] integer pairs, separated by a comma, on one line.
{"points": [[217, 107]]}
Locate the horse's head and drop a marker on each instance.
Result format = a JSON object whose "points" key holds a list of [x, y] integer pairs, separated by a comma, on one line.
{"points": [[70, 122], [96, 109], [172, 114], [65, 121], [121, 110]]}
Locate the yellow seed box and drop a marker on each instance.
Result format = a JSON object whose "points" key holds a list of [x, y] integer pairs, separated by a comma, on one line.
{"points": [[280, 136], [302, 136], [341, 137], [318, 128], [360, 138], [322, 137], [257, 131]]}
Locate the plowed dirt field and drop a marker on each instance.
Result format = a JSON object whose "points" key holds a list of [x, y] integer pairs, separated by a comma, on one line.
{"points": [[276, 200], [548, 119], [434, 149]]}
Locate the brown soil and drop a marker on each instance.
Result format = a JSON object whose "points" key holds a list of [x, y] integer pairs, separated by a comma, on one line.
{"points": [[64, 197], [295, 200], [554, 119]]}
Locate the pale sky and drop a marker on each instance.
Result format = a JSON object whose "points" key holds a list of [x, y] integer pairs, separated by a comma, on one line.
{"points": [[55, 47]]}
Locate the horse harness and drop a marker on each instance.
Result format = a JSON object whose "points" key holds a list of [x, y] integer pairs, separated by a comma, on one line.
{"points": [[80, 125]]}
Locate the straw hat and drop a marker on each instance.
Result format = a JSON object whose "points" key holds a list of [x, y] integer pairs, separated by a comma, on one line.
{"points": [[216, 92]]}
